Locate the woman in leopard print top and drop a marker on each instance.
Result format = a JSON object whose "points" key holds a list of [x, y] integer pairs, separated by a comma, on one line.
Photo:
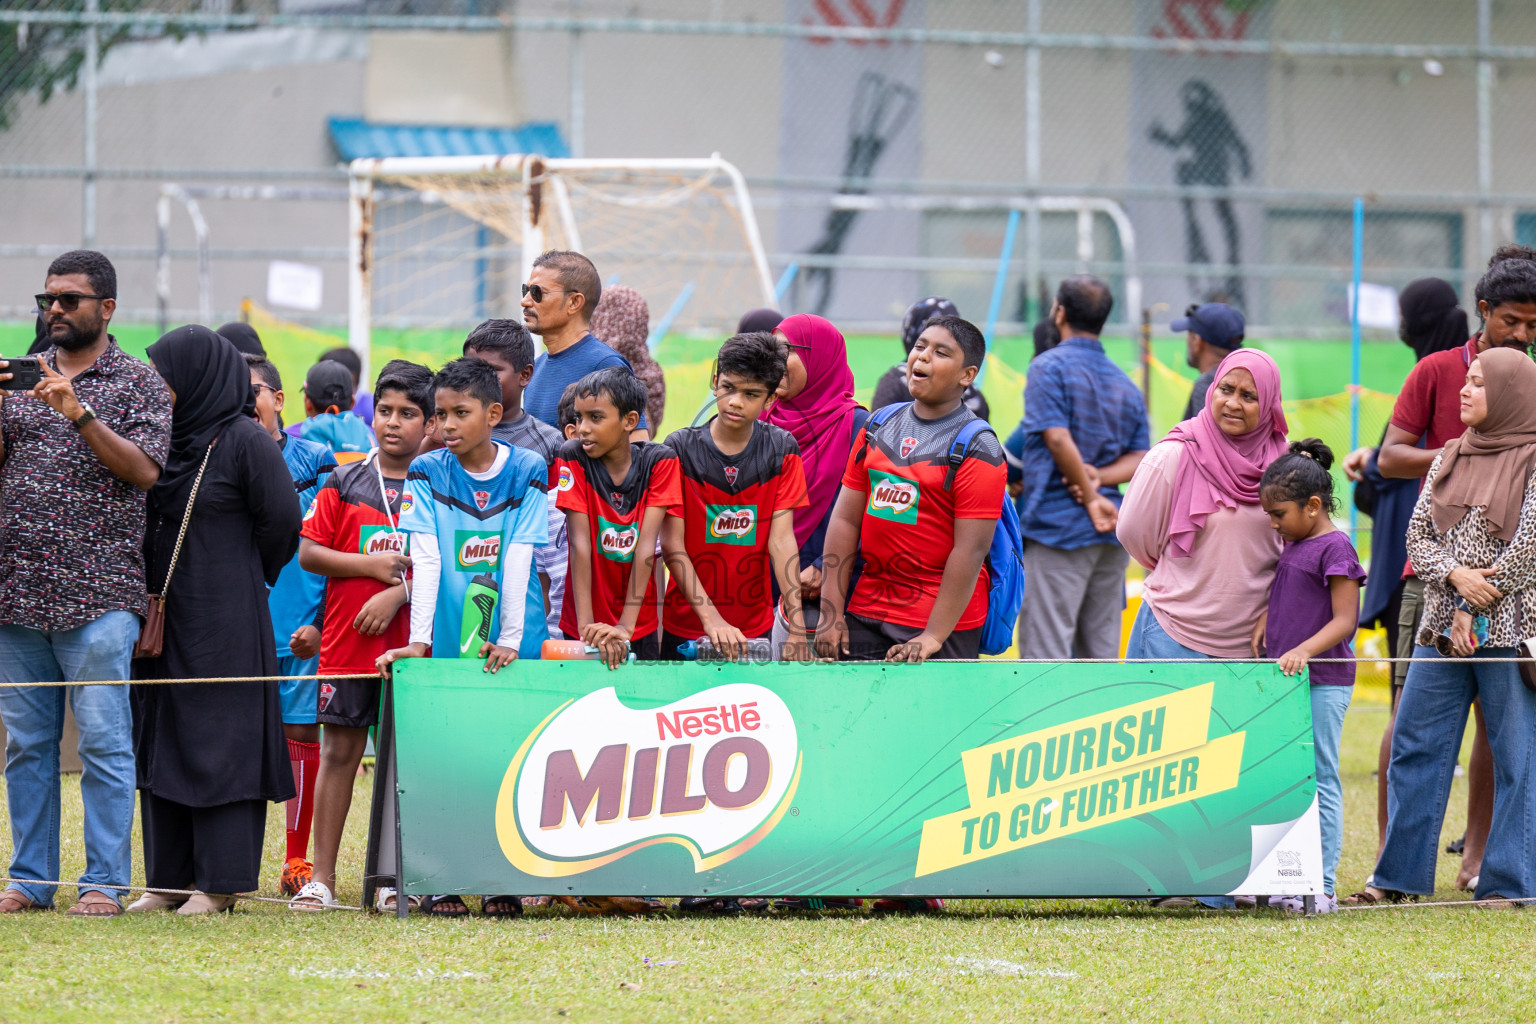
{"points": [[1473, 540]]}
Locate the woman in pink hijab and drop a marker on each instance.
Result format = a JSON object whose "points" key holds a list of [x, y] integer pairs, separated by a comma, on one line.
{"points": [[815, 403], [1192, 518]]}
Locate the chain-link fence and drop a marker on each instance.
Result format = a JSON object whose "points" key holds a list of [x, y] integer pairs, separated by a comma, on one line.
{"points": [[1186, 150], [885, 141]]}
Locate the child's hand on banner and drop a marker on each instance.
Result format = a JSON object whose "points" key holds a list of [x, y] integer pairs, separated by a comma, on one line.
{"points": [[915, 651], [388, 658], [613, 641], [831, 638], [496, 656]]}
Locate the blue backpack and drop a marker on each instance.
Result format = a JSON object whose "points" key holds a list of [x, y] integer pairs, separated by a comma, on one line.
{"points": [[1005, 563]]}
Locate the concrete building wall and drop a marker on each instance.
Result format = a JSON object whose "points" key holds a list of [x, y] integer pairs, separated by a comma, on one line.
{"points": [[261, 100]]}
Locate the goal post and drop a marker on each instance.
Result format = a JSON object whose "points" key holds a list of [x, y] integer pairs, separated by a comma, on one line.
{"points": [[440, 243]]}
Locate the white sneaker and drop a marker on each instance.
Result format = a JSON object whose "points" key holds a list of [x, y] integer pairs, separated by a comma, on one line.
{"points": [[314, 896], [1322, 903]]}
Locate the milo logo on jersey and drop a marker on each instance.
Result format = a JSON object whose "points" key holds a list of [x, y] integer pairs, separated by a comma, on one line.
{"points": [[374, 540], [617, 540], [730, 524], [477, 550], [892, 497]]}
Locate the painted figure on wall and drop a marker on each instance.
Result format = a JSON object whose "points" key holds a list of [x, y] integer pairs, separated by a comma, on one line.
{"points": [[1213, 143]]}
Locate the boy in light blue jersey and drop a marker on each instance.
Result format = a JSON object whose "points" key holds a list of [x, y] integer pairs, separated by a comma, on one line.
{"points": [[295, 602], [475, 510]]}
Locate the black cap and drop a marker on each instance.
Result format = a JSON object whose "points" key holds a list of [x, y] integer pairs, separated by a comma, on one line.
{"points": [[329, 383], [244, 337]]}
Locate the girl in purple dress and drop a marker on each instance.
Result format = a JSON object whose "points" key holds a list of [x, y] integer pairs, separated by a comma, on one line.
{"points": [[1314, 604]]}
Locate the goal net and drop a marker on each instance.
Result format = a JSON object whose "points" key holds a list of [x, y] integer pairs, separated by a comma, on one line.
{"points": [[440, 244]]}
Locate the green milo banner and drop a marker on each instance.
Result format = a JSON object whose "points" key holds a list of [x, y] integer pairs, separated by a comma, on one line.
{"points": [[984, 779]]}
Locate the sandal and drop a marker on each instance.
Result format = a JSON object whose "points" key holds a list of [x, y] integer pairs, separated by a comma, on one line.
{"points": [[1498, 902], [384, 900], [501, 906], [727, 905], [95, 903], [14, 901], [313, 896], [444, 906], [1365, 898]]}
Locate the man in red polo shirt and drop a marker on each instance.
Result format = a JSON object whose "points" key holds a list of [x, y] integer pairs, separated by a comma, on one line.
{"points": [[1429, 407]]}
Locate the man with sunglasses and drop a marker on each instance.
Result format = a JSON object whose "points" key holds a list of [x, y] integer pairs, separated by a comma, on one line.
{"points": [[562, 291], [77, 453], [1215, 330]]}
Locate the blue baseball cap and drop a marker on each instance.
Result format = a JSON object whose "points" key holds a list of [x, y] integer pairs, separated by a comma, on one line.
{"points": [[1216, 322]]}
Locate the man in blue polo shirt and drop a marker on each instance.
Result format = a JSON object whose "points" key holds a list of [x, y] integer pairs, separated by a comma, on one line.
{"points": [[562, 291], [1085, 430], [1215, 331]]}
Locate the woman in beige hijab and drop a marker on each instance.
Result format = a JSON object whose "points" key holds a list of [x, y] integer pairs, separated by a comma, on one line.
{"points": [[622, 321], [1472, 540]]}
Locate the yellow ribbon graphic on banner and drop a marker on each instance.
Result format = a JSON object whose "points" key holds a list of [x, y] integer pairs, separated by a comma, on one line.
{"points": [[1082, 774]]}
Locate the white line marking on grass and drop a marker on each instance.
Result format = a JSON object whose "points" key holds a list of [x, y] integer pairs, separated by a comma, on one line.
{"points": [[348, 973], [963, 965], [992, 965]]}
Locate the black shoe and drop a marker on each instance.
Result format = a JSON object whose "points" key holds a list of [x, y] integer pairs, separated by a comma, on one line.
{"points": [[1457, 846]]}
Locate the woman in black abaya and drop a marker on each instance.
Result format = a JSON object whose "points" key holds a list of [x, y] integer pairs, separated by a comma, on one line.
{"points": [[212, 756]]}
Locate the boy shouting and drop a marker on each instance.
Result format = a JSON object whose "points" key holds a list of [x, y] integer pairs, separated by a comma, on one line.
{"points": [[922, 527]]}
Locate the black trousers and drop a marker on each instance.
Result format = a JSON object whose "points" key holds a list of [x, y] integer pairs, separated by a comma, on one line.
{"points": [[212, 849], [869, 640]]}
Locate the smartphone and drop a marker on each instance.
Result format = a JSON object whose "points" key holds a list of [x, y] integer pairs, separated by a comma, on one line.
{"points": [[25, 373]]}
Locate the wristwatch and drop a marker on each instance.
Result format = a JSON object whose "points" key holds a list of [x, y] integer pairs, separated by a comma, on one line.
{"points": [[85, 417]]}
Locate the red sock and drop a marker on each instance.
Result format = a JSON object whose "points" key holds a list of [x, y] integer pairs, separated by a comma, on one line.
{"points": [[301, 809]]}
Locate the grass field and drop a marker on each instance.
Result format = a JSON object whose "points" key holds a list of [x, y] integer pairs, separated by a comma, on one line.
{"points": [[1054, 960]]}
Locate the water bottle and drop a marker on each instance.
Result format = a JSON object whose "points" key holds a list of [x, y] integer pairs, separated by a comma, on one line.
{"points": [[571, 650], [479, 615], [758, 650]]}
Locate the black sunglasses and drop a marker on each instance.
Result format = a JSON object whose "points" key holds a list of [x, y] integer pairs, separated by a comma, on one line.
{"points": [[68, 301], [257, 389], [538, 292]]}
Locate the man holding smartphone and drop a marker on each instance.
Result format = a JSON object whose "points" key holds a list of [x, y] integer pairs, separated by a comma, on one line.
{"points": [[78, 451]]}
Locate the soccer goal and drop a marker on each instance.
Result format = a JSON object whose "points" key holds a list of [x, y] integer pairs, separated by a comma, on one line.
{"points": [[440, 243]]}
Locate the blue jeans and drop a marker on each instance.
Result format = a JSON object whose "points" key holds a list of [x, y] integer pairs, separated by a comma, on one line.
{"points": [[1150, 640], [34, 721], [1328, 706], [1431, 719]]}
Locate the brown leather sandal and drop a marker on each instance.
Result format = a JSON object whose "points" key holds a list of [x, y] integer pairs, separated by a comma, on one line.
{"points": [[95, 903], [14, 901], [1364, 898]]}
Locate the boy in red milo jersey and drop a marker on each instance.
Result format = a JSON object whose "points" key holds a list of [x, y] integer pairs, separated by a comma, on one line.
{"points": [[734, 532], [615, 495], [922, 530], [351, 536]]}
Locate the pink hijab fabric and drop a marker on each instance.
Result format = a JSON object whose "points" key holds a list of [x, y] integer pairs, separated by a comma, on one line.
{"points": [[821, 416], [1216, 470]]}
